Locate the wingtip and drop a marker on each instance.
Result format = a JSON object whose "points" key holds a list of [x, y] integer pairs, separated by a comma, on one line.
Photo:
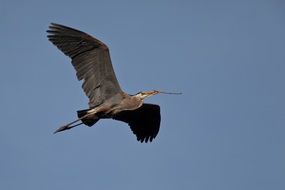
{"points": [[54, 24]]}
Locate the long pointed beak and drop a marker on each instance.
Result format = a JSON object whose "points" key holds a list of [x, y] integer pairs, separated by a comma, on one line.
{"points": [[154, 92], [151, 93], [173, 93]]}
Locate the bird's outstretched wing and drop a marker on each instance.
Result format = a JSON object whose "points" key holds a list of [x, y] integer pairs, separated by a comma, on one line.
{"points": [[91, 60], [144, 121]]}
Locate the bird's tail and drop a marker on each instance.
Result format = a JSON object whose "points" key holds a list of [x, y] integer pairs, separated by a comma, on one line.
{"points": [[87, 121]]}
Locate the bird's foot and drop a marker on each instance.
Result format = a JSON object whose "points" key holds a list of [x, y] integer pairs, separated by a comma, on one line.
{"points": [[63, 128]]}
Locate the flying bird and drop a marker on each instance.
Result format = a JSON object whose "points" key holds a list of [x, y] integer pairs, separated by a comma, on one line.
{"points": [[91, 59]]}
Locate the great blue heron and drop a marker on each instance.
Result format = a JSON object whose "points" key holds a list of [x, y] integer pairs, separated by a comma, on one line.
{"points": [[92, 62]]}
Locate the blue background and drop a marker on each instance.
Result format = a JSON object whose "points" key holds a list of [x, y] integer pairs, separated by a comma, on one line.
{"points": [[225, 132]]}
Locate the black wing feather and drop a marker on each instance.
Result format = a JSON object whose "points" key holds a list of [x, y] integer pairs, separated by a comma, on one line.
{"points": [[144, 121]]}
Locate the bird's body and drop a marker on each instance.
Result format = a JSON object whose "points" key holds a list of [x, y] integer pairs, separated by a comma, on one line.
{"points": [[91, 60], [114, 105]]}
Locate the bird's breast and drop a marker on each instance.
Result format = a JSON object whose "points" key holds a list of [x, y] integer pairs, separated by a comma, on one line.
{"points": [[129, 103]]}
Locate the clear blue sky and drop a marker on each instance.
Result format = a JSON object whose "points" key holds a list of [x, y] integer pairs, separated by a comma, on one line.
{"points": [[226, 132]]}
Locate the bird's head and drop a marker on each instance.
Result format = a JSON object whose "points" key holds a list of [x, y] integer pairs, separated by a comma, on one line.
{"points": [[145, 94]]}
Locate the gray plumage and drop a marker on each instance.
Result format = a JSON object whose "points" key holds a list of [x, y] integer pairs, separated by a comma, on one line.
{"points": [[91, 60]]}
